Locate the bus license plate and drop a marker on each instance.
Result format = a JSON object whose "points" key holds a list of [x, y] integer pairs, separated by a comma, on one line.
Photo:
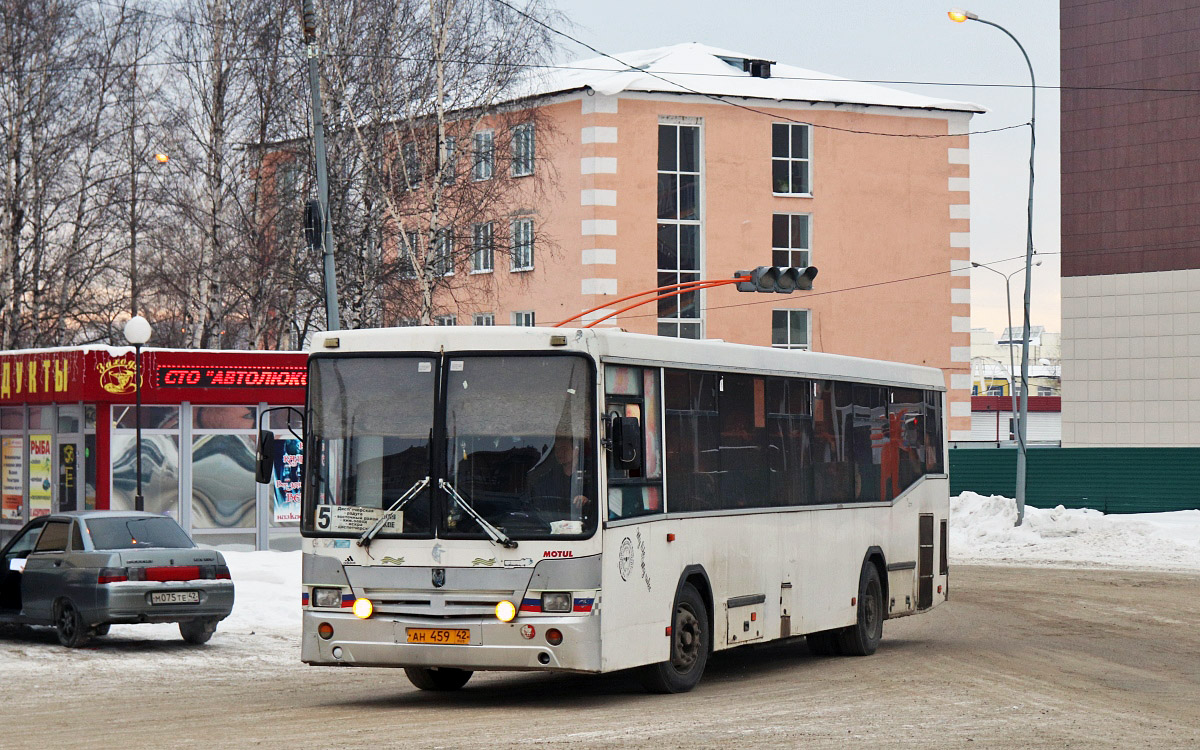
{"points": [[439, 635], [175, 597]]}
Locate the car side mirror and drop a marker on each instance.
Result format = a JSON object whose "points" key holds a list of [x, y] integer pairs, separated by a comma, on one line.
{"points": [[265, 461]]}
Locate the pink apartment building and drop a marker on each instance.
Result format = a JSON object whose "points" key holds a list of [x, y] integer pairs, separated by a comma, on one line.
{"points": [[694, 162]]}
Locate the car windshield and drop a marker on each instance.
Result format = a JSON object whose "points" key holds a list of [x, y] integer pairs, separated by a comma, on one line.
{"points": [[370, 422], [519, 445], [136, 533]]}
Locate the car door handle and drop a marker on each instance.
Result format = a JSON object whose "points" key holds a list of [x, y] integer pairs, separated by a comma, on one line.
{"points": [[57, 563]]}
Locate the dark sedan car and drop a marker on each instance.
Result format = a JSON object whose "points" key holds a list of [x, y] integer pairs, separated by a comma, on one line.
{"points": [[82, 572]]}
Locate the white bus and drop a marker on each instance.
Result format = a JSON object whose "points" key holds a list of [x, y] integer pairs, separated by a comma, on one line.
{"points": [[593, 500]]}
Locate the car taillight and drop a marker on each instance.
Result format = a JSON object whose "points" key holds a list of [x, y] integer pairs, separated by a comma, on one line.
{"points": [[112, 575], [223, 573]]}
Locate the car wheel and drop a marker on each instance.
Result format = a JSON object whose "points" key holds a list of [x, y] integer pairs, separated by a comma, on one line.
{"points": [[689, 647], [197, 632], [439, 679], [69, 624], [101, 629], [862, 638]]}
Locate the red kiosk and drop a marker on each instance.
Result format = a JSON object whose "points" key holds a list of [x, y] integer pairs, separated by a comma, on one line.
{"points": [[68, 435]]}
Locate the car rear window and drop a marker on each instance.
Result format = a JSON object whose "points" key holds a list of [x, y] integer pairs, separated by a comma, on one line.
{"points": [[135, 533]]}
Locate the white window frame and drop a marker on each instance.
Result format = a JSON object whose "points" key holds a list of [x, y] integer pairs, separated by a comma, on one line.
{"points": [[483, 257], [523, 149], [681, 122], [408, 269], [412, 165], [450, 170], [443, 252], [524, 318], [445, 320], [483, 155], [791, 251], [790, 343], [483, 319], [806, 158], [521, 256]]}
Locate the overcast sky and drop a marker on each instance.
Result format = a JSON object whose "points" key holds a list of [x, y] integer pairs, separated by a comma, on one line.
{"points": [[899, 40]]}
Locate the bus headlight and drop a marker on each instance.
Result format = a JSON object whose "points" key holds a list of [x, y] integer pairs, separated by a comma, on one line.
{"points": [[327, 597], [363, 608], [556, 601], [506, 611]]}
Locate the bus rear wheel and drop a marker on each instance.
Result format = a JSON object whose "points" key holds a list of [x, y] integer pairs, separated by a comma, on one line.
{"points": [[862, 638], [438, 679], [690, 644]]}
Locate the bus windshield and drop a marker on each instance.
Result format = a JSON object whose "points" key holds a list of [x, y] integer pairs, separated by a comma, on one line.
{"points": [[516, 446], [519, 445], [371, 425]]}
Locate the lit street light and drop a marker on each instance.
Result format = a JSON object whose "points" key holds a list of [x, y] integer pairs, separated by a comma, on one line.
{"points": [[959, 16], [137, 332]]}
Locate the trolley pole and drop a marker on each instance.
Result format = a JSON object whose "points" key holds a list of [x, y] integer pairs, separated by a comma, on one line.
{"points": [[309, 21]]}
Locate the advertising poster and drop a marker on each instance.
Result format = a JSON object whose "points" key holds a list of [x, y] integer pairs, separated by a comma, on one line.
{"points": [[13, 464], [40, 464], [285, 480]]}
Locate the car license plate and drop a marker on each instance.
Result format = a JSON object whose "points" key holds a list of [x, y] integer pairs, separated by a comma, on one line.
{"points": [[454, 637], [175, 597]]}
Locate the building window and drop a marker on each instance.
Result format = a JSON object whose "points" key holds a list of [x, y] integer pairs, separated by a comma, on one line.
{"points": [[445, 320], [482, 257], [484, 319], [450, 168], [790, 329], [791, 159], [484, 161], [679, 227], [790, 239], [408, 255], [412, 166], [522, 150], [1045, 390], [443, 253], [522, 245], [523, 318], [408, 322]]}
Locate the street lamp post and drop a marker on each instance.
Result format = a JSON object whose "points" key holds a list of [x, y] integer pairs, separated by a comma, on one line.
{"points": [[1008, 306], [959, 16], [137, 332]]}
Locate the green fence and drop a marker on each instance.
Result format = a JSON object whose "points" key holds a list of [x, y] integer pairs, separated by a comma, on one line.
{"points": [[1113, 480]]}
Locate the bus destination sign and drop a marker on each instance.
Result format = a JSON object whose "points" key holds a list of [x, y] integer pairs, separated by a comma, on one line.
{"points": [[170, 376]]}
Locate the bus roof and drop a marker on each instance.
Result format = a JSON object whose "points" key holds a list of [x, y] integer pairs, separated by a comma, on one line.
{"points": [[613, 344]]}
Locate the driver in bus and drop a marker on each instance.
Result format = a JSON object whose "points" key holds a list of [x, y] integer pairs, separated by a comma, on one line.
{"points": [[553, 479]]}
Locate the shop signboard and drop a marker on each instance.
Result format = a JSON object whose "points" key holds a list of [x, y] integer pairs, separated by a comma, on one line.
{"points": [[285, 479], [40, 465], [13, 462]]}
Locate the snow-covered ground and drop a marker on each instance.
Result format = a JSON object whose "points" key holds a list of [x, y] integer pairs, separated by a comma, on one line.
{"points": [[265, 623]]}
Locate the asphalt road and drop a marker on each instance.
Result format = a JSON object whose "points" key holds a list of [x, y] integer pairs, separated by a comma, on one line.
{"points": [[1019, 658]]}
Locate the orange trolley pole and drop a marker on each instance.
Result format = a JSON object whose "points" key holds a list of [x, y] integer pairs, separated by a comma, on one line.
{"points": [[697, 284]]}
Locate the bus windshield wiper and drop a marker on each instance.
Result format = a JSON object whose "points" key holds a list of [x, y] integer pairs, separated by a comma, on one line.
{"points": [[409, 494], [497, 535]]}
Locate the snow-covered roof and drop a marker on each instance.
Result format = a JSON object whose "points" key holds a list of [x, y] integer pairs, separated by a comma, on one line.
{"points": [[699, 68]]}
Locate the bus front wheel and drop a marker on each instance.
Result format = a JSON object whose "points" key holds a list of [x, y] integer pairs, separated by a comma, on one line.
{"points": [[690, 644], [862, 638], [439, 679]]}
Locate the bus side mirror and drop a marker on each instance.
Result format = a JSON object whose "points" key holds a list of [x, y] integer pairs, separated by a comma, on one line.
{"points": [[627, 442], [265, 461]]}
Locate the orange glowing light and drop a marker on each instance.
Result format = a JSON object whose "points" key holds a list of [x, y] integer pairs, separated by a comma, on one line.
{"points": [[161, 158]]}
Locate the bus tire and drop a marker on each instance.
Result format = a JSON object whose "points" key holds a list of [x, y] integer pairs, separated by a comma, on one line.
{"points": [[438, 679], [862, 638], [690, 643], [823, 643]]}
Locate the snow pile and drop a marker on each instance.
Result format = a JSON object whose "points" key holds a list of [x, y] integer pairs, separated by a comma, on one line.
{"points": [[982, 532]]}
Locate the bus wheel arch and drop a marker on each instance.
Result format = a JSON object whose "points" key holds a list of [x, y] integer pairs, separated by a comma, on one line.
{"points": [[691, 620], [697, 576], [875, 557]]}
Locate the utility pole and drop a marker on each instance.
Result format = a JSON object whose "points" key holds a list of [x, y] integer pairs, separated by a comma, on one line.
{"points": [[309, 22]]}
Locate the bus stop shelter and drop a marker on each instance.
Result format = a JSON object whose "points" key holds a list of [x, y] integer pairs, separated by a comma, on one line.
{"points": [[68, 437]]}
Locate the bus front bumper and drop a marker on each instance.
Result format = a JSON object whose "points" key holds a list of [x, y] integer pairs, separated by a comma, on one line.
{"points": [[382, 641]]}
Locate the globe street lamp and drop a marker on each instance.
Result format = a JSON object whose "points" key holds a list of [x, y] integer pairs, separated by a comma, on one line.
{"points": [[137, 332], [1011, 367], [959, 16]]}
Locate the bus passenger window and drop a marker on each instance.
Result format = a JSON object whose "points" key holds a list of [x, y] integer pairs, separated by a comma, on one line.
{"points": [[634, 392]]}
